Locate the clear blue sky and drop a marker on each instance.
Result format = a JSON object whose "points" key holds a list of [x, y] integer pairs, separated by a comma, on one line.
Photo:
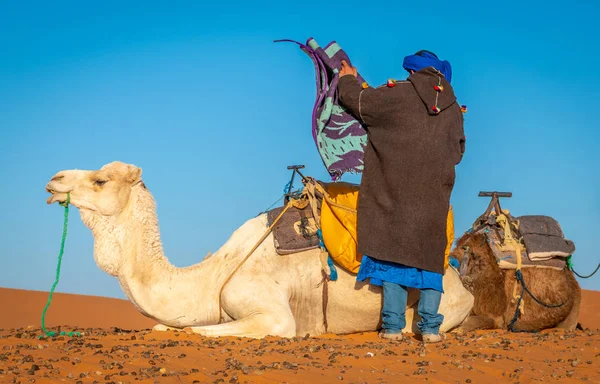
{"points": [[213, 111]]}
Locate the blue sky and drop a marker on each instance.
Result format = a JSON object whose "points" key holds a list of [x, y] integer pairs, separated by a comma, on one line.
{"points": [[201, 98]]}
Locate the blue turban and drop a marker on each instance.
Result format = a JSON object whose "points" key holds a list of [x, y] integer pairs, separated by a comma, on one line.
{"points": [[423, 59]]}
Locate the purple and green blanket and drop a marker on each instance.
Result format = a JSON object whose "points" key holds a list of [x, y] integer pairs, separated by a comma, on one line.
{"points": [[340, 138]]}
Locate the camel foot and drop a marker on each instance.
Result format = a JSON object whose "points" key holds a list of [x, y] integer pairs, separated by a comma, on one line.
{"points": [[571, 321], [164, 328], [257, 327], [475, 322]]}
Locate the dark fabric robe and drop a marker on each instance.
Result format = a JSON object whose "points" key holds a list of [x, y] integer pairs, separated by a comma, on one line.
{"points": [[409, 174]]}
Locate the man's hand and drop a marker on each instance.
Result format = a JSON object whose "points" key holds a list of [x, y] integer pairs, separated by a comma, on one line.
{"points": [[347, 69]]}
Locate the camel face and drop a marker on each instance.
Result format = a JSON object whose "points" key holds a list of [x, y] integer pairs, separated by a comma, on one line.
{"points": [[476, 244], [105, 192]]}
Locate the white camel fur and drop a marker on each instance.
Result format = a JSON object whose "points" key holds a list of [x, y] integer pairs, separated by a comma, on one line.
{"points": [[269, 295]]}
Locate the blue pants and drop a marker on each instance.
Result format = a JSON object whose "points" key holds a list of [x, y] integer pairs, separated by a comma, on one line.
{"points": [[394, 309]]}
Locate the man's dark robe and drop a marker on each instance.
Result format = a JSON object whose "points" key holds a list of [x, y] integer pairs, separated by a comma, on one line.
{"points": [[415, 139]]}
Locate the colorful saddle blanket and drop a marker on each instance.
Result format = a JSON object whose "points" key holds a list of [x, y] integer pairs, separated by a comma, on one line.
{"points": [[340, 138]]}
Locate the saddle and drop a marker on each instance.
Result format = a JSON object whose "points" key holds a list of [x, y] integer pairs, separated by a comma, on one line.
{"points": [[297, 229], [531, 241], [336, 205]]}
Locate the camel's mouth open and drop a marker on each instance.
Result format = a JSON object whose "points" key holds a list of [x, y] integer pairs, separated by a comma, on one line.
{"points": [[58, 194], [56, 197], [58, 191]]}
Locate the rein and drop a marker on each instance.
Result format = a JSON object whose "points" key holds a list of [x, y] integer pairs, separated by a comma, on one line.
{"points": [[60, 255]]}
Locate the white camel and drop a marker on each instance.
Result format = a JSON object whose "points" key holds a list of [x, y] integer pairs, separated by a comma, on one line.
{"points": [[269, 295]]}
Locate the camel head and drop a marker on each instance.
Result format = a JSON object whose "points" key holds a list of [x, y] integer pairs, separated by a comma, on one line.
{"points": [[468, 243], [104, 192], [475, 256], [103, 198]]}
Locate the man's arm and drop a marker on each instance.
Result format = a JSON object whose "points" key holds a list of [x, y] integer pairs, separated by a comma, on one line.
{"points": [[350, 93]]}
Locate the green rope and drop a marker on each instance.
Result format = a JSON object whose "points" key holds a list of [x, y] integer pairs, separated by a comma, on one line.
{"points": [[60, 255]]}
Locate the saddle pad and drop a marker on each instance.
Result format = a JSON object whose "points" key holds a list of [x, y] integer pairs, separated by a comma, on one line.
{"points": [[543, 238], [507, 258], [296, 230], [541, 247], [539, 225], [339, 225]]}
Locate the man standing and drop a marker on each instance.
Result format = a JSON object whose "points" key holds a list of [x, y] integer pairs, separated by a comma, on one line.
{"points": [[415, 139]]}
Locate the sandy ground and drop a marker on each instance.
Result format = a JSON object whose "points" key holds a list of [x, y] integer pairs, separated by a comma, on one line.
{"points": [[118, 347]]}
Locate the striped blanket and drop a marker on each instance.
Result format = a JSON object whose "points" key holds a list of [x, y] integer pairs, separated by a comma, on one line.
{"points": [[339, 137]]}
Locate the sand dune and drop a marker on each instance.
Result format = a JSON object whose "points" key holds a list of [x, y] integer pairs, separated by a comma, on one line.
{"points": [[118, 347], [77, 310]]}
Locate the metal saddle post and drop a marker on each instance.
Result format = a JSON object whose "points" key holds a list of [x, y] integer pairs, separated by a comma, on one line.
{"points": [[294, 169], [485, 218]]}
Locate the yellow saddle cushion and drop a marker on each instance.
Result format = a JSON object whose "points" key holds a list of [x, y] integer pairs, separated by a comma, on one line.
{"points": [[449, 236], [338, 225]]}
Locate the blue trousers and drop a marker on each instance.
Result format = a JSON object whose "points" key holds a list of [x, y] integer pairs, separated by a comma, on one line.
{"points": [[393, 314]]}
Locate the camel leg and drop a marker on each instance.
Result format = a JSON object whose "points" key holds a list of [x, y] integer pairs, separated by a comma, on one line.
{"points": [[255, 326], [257, 309], [163, 328], [476, 322], [571, 321]]}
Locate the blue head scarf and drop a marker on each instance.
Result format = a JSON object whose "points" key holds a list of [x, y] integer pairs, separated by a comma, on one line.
{"points": [[423, 59]]}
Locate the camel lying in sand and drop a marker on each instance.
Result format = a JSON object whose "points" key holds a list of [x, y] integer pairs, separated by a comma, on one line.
{"points": [[493, 288], [269, 295]]}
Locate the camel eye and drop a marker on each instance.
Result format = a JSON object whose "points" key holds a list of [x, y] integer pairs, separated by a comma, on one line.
{"points": [[100, 182]]}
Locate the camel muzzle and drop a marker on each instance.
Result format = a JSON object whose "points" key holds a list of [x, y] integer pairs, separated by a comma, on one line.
{"points": [[58, 192]]}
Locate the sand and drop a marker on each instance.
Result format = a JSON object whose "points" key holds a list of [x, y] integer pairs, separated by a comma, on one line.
{"points": [[118, 346]]}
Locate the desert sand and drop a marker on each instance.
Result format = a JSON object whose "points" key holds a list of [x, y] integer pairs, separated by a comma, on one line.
{"points": [[119, 347]]}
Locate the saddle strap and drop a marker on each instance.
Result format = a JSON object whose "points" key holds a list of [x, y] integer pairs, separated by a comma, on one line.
{"points": [[258, 243], [312, 200], [511, 242]]}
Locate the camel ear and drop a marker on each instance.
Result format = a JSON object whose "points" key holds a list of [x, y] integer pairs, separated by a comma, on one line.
{"points": [[135, 174]]}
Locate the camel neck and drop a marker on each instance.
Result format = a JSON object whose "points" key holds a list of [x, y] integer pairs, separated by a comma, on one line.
{"points": [[154, 286]]}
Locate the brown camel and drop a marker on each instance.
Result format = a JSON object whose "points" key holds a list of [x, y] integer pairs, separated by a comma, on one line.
{"points": [[493, 289]]}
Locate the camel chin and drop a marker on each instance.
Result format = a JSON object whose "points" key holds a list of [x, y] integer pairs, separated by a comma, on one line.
{"points": [[56, 198]]}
